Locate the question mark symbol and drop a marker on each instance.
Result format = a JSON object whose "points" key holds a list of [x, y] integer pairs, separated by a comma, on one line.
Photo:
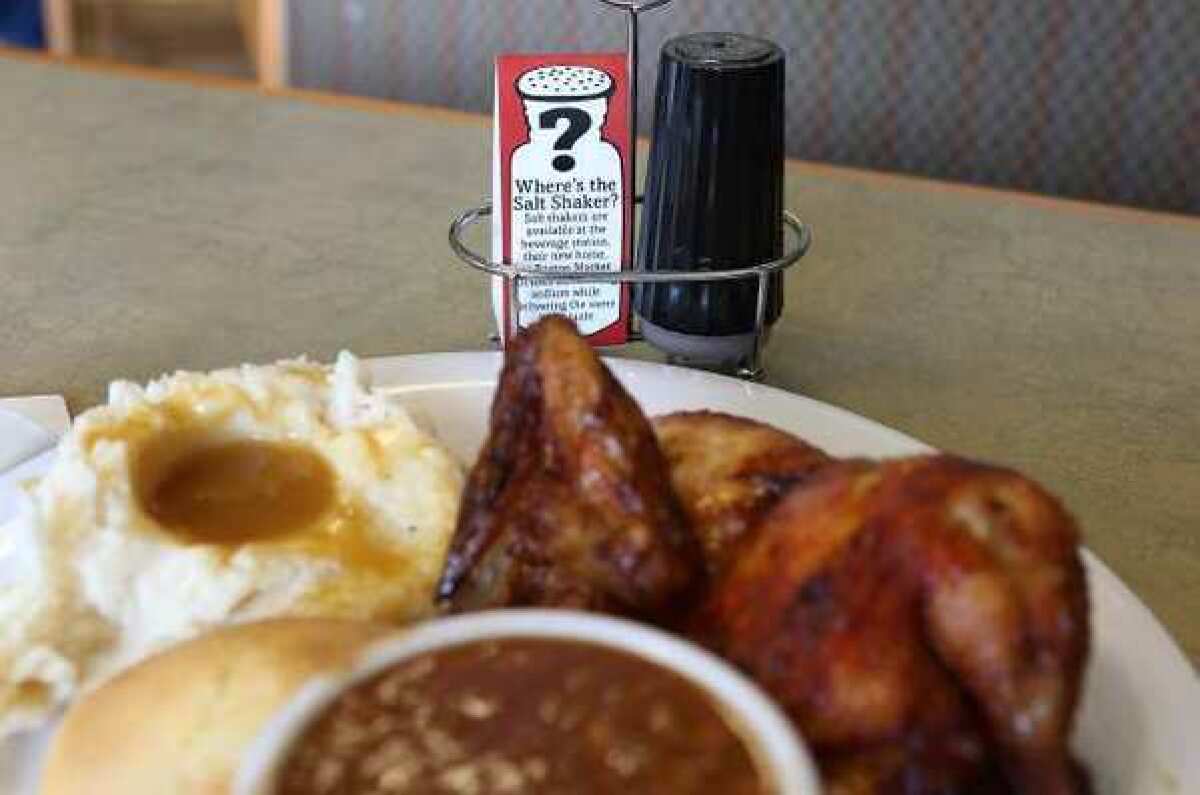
{"points": [[578, 123]]}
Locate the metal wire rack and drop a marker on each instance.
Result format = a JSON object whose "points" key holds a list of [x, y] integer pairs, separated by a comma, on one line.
{"points": [[752, 367]]}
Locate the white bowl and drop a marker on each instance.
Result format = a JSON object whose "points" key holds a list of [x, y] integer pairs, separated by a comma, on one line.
{"points": [[782, 757]]}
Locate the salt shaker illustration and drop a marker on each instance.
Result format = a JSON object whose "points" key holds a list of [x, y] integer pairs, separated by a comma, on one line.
{"points": [[566, 184], [566, 107]]}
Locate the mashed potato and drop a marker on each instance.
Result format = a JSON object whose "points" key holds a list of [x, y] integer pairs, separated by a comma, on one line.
{"points": [[201, 500]]}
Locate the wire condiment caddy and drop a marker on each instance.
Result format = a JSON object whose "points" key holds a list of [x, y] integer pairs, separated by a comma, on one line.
{"points": [[800, 234]]}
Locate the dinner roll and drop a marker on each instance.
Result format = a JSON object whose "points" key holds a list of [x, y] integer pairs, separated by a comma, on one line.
{"points": [[179, 722]]}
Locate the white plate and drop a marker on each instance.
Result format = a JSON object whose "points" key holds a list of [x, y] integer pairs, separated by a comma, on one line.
{"points": [[1139, 727]]}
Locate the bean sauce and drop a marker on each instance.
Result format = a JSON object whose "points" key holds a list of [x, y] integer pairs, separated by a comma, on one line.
{"points": [[521, 715]]}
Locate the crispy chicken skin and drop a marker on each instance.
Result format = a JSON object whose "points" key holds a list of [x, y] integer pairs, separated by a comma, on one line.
{"points": [[924, 622], [920, 620], [570, 502], [728, 471]]}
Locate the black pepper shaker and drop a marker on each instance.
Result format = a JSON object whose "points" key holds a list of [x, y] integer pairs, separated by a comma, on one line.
{"points": [[714, 194]]}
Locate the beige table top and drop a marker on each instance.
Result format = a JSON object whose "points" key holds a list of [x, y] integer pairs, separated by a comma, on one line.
{"points": [[153, 224]]}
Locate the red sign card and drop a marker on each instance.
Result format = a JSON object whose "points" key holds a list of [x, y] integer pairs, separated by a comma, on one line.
{"points": [[560, 187]]}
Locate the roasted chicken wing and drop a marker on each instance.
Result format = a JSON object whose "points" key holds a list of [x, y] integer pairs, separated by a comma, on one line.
{"points": [[924, 622], [570, 502], [728, 471]]}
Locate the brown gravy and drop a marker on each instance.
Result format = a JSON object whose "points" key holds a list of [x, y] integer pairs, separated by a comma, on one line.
{"points": [[521, 715], [242, 491]]}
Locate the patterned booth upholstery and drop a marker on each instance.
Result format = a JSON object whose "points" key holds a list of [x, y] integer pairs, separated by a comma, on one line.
{"points": [[1096, 99]]}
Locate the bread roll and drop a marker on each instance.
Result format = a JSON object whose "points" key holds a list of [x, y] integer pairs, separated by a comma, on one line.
{"points": [[179, 722]]}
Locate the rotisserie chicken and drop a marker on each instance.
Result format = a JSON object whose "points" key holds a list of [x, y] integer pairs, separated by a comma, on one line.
{"points": [[924, 622], [570, 502], [728, 471]]}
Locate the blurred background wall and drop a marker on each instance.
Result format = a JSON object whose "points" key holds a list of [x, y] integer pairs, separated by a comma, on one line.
{"points": [[1096, 99], [1093, 99]]}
